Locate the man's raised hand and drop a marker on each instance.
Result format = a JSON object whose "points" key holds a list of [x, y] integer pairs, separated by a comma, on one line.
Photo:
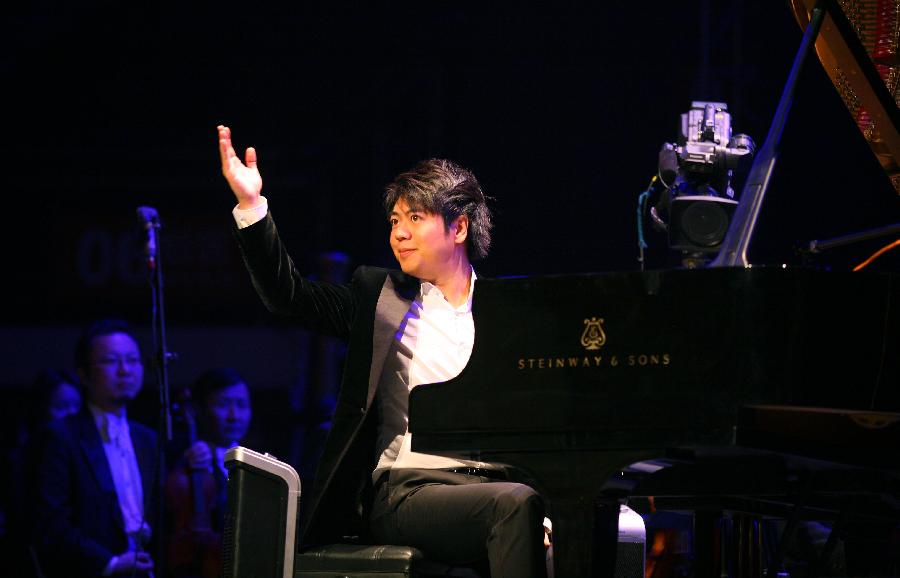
{"points": [[244, 179]]}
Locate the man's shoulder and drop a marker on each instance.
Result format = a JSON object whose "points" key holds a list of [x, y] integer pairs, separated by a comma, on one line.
{"points": [[64, 434], [139, 428], [375, 278], [373, 272], [70, 424]]}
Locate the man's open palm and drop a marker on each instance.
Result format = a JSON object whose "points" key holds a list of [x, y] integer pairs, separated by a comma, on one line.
{"points": [[243, 177]]}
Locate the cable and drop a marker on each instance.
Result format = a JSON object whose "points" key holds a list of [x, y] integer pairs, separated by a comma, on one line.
{"points": [[642, 204], [877, 254]]}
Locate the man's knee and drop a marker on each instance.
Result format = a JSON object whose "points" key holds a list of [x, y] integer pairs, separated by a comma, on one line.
{"points": [[518, 499]]}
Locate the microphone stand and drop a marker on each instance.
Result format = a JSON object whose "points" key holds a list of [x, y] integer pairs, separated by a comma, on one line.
{"points": [[818, 245], [149, 217]]}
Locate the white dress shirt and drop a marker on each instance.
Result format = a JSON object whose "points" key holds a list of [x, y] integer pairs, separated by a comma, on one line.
{"points": [[123, 466], [433, 344]]}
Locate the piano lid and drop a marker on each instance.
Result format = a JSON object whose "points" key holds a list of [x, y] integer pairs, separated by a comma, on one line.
{"points": [[858, 47]]}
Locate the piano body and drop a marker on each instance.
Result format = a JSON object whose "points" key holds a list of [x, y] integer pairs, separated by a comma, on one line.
{"points": [[573, 379]]}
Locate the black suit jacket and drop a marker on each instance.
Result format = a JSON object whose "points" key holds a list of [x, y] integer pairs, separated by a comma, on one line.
{"points": [[78, 522], [366, 313]]}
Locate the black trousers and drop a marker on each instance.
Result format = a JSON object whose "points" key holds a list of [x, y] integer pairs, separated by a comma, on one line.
{"points": [[461, 519]]}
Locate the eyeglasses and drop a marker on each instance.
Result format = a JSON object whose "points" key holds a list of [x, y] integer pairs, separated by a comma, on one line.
{"points": [[112, 361]]}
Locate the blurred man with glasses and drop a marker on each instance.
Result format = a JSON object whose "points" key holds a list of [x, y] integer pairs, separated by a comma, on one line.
{"points": [[97, 467]]}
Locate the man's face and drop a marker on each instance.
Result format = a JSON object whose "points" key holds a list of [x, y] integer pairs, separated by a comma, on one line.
{"points": [[116, 373], [229, 414], [423, 246]]}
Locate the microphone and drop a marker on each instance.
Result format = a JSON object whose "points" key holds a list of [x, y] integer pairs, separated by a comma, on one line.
{"points": [[148, 217]]}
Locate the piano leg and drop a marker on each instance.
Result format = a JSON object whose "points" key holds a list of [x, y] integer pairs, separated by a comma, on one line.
{"points": [[748, 545], [584, 537], [706, 552], [605, 537]]}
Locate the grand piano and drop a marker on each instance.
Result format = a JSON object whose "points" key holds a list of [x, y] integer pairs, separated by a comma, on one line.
{"points": [[573, 379], [768, 390]]}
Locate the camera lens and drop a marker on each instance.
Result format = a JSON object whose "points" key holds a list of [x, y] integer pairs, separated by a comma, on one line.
{"points": [[704, 223]]}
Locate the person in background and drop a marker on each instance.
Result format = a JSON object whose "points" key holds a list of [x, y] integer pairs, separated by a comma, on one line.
{"points": [[219, 420], [95, 473], [54, 394]]}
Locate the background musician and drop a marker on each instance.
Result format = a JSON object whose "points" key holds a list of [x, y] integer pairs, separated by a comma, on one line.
{"points": [[196, 489], [95, 473]]}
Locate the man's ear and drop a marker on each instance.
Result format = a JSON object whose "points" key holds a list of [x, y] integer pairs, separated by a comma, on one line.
{"points": [[460, 229]]}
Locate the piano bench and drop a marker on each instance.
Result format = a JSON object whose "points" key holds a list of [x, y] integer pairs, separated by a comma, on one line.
{"points": [[366, 561]]}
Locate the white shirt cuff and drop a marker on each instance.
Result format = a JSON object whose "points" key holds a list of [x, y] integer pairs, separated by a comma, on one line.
{"points": [[246, 217]]}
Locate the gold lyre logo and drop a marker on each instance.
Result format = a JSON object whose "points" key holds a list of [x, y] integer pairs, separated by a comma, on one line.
{"points": [[593, 337]]}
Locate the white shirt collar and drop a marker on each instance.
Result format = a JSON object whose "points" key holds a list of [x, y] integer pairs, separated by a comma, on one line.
{"points": [[102, 418], [427, 289]]}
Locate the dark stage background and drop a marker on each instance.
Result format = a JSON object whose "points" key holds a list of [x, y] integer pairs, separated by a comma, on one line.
{"points": [[560, 110]]}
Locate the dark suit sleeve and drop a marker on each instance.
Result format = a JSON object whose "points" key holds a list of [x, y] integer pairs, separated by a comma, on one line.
{"points": [[58, 489], [323, 307]]}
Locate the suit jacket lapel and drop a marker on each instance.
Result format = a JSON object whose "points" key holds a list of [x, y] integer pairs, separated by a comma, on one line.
{"points": [[393, 303], [92, 446], [145, 453]]}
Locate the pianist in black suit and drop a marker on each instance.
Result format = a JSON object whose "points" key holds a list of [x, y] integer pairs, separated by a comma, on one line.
{"points": [[403, 328]]}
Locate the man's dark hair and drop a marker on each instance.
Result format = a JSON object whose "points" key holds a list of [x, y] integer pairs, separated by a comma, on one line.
{"points": [[441, 187], [97, 329], [214, 380]]}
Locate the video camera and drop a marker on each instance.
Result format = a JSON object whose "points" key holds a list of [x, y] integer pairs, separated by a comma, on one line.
{"points": [[698, 201]]}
